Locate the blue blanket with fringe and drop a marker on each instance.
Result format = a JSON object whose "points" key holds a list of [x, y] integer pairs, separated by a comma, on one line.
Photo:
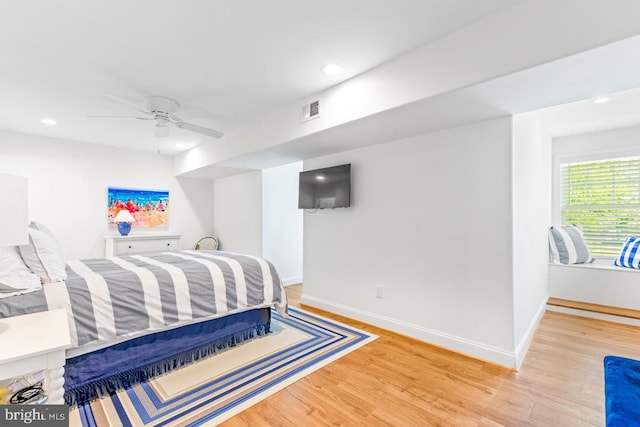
{"points": [[622, 391], [103, 372]]}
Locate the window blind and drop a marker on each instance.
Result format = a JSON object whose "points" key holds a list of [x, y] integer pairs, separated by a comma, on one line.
{"points": [[602, 197]]}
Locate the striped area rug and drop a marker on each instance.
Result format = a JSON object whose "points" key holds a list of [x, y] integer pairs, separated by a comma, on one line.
{"points": [[213, 390]]}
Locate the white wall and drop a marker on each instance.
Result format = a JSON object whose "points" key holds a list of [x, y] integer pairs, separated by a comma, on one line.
{"points": [[531, 221], [68, 189], [430, 222], [237, 213], [282, 221]]}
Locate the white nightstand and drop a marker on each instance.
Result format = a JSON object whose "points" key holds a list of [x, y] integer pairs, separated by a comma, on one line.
{"points": [[140, 243], [33, 343]]}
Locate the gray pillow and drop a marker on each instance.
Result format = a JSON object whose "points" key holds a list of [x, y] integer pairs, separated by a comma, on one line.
{"points": [[567, 246]]}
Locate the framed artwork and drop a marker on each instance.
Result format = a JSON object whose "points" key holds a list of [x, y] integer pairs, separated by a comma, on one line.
{"points": [[150, 208]]}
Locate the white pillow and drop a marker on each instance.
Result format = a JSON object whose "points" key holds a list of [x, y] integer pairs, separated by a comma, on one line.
{"points": [[11, 261], [42, 256], [20, 282], [15, 277], [47, 231]]}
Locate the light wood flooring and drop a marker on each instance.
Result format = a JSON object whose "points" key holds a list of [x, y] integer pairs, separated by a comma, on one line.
{"points": [[399, 381]]}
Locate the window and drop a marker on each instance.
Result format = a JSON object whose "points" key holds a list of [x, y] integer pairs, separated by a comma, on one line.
{"points": [[603, 197]]}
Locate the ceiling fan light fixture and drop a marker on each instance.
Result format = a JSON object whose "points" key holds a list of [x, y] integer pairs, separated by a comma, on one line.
{"points": [[332, 69], [162, 130]]}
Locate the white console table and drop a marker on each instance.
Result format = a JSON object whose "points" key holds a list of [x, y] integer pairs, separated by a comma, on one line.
{"points": [[140, 243], [36, 342]]}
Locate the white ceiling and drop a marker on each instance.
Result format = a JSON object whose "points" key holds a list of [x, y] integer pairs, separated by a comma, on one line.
{"points": [[236, 60], [562, 92], [586, 116]]}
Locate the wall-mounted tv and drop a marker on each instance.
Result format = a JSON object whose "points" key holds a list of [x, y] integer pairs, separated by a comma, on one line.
{"points": [[325, 188]]}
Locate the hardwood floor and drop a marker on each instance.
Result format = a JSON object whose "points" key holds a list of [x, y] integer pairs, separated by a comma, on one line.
{"points": [[399, 381]]}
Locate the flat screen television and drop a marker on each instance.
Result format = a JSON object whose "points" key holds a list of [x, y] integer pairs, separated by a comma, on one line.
{"points": [[326, 188]]}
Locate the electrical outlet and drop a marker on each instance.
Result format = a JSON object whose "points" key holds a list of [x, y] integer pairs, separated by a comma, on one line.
{"points": [[378, 291]]}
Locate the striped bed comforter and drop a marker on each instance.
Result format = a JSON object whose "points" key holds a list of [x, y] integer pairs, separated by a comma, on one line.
{"points": [[110, 299]]}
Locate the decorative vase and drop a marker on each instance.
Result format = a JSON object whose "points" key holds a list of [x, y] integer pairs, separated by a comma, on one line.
{"points": [[124, 228]]}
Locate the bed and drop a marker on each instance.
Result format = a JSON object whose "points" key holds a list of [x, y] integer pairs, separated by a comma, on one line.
{"points": [[135, 317]]}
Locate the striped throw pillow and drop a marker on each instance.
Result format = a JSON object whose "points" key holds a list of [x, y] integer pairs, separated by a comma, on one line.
{"points": [[630, 254], [567, 245]]}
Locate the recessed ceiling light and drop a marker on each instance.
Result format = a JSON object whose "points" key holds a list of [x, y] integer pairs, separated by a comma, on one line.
{"points": [[49, 122], [602, 100], [332, 69]]}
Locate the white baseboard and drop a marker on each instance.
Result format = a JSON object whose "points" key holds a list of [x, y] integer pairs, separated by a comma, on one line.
{"points": [[525, 342], [442, 339], [292, 280]]}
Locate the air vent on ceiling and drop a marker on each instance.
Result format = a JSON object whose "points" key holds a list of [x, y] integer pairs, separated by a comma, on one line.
{"points": [[311, 111]]}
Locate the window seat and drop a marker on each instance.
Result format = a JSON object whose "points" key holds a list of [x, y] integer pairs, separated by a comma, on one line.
{"points": [[600, 283], [606, 264]]}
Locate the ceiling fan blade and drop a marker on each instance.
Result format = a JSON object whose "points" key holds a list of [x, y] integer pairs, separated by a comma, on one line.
{"points": [[199, 129], [162, 131], [126, 102], [122, 117], [193, 114]]}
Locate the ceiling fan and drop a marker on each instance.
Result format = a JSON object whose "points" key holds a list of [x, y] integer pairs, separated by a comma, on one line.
{"points": [[161, 109]]}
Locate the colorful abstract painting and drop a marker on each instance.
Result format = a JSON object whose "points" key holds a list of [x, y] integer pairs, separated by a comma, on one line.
{"points": [[150, 208]]}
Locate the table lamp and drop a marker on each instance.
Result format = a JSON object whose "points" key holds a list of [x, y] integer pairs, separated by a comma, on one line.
{"points": [[14, 217], [124, 220]]}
